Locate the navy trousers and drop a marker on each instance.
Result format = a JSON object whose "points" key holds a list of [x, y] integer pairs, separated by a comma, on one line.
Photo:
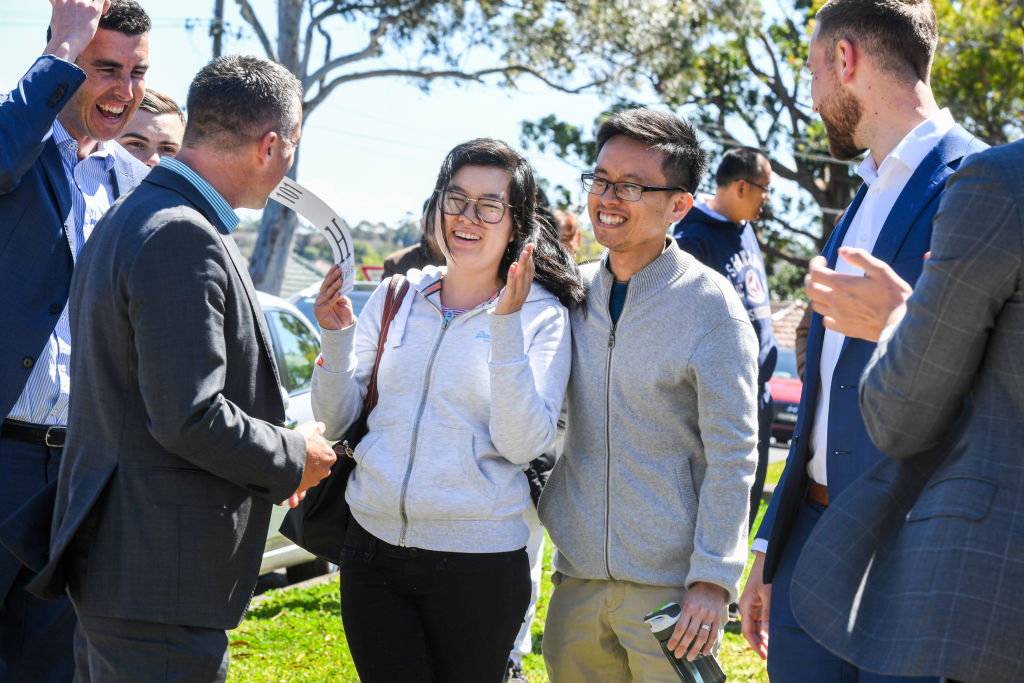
{"points": [[36, 636], [793, 655]]}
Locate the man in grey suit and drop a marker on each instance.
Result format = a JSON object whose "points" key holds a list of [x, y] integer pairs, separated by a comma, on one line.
{"points": [[175, 448], [931, 586]]}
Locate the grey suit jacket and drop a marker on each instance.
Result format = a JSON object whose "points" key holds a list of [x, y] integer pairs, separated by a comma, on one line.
{"points": [[918, 569], [174, 453]]}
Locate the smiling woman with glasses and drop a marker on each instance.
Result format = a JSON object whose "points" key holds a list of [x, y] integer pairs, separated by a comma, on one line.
{"points": [[471, 382]]}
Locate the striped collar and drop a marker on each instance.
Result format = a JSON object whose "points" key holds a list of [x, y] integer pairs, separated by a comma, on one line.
{"points": [[435, 288], [225, 213], [68, 147]]}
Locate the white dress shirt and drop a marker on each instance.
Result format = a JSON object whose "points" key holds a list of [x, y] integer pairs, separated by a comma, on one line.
{"points": [[885, 183]]}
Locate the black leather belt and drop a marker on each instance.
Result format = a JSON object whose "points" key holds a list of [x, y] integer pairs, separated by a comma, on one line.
{"points": [[46, 435]]}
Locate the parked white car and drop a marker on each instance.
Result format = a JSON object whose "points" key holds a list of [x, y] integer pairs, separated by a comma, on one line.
{"points": [[296, 346]]}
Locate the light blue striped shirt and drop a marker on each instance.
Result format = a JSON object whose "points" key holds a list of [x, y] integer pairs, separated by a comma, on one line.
{"points": [[224, 211], [44, 400]]}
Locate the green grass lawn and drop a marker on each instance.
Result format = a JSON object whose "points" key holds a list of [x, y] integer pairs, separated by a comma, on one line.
{"points": [[296, 635]]}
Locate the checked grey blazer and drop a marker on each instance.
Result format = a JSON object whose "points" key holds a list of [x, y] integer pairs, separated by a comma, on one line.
{"points": [[918, 568]]}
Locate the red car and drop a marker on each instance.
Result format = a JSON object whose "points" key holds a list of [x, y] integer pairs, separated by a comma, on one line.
{"points": [[786, 387]]}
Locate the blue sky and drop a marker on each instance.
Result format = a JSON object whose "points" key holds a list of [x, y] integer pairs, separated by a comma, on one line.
{"points": [[371, 150]]}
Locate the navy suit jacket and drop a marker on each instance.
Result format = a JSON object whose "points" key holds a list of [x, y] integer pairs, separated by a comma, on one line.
{"points": [[36, 217], [902, 243], [35, 255]]}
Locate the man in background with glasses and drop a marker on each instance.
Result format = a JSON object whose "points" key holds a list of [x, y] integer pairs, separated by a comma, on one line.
{"points": [[718, 232], [648, 503]]}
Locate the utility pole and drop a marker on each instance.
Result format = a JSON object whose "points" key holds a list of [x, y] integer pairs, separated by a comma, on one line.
{"points": [[217, 26]]}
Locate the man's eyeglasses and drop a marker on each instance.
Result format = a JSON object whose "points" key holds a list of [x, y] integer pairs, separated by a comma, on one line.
{"points": [[487, 210], [764, 188], [629, 192]]}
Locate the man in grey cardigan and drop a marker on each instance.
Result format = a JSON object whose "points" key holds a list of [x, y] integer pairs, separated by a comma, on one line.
{"points": [[648, 503]]}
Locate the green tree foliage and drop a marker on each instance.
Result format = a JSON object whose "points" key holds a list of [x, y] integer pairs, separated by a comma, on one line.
{"points": [[979, 68], [738, 75]]}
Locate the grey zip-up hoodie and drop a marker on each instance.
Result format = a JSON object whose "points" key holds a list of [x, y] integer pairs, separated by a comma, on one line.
{"points": [[462, 410], [660, 442]]}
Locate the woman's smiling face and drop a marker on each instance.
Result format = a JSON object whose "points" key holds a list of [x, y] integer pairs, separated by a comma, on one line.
{"points": [[472, 243]]}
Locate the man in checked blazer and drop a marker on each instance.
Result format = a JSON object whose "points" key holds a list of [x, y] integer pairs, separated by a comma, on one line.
{"points": [[176, 449], [870, 61], [918, 568]]}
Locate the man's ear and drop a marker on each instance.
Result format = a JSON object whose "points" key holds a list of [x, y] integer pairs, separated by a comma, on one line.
{"points": [[268, 146], [681, 206], [846, 60]]}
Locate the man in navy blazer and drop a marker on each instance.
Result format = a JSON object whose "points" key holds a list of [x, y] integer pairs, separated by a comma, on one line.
{"points": [[918, 567], [58, 173], [870, 63]]}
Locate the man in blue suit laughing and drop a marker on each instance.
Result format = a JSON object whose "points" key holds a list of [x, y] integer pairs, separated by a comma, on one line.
{"points": [[870, 63], [58, 174]]}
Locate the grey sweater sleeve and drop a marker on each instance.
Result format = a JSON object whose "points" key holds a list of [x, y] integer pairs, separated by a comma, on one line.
{"points": [[724, 364], [529, 371]]}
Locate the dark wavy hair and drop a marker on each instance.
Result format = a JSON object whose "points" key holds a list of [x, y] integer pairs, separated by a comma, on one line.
{"points": [[123, 16], [555, 268], [684, 163]]}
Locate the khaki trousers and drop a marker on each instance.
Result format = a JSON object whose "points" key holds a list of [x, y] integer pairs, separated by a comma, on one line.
{"points": [[595, 631]]}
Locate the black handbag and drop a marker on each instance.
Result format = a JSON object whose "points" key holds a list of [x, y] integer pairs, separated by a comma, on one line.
{"points": [[319, 522]]}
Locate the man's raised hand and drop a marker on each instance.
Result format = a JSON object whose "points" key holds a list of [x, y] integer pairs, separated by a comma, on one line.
{"points": [[73, 25]]}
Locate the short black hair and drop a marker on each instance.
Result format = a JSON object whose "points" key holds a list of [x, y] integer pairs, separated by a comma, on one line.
{"points": [[899, 35], [242, 96], [684, 164], [739, 163], [127, 17], [123, 16]]}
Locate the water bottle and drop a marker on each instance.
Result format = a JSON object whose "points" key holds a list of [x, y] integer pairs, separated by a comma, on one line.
{"points": [[703, 669]]}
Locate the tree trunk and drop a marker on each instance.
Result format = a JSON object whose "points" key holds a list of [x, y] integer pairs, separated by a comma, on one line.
{"points": [[273, 246], [277, 227]]}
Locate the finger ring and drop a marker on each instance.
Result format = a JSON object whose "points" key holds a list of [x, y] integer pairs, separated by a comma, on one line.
{"points": [[705, 627]]}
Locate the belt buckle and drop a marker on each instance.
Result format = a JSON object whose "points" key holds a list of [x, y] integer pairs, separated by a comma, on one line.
{"points": [[46, 439]]}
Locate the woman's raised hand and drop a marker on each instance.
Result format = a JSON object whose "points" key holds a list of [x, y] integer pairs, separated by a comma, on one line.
{"points": [[517, 285], [332, 311]]}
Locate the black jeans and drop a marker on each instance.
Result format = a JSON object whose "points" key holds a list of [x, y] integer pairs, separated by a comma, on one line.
{"points": [[422, 615]]}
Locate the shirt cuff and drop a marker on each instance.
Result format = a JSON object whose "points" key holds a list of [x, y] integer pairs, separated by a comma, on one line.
{"points": [[759, 545], [887, 332]]}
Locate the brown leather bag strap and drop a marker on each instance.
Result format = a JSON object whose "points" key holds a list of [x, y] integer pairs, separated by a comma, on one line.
{"points": [[396, 292]]}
